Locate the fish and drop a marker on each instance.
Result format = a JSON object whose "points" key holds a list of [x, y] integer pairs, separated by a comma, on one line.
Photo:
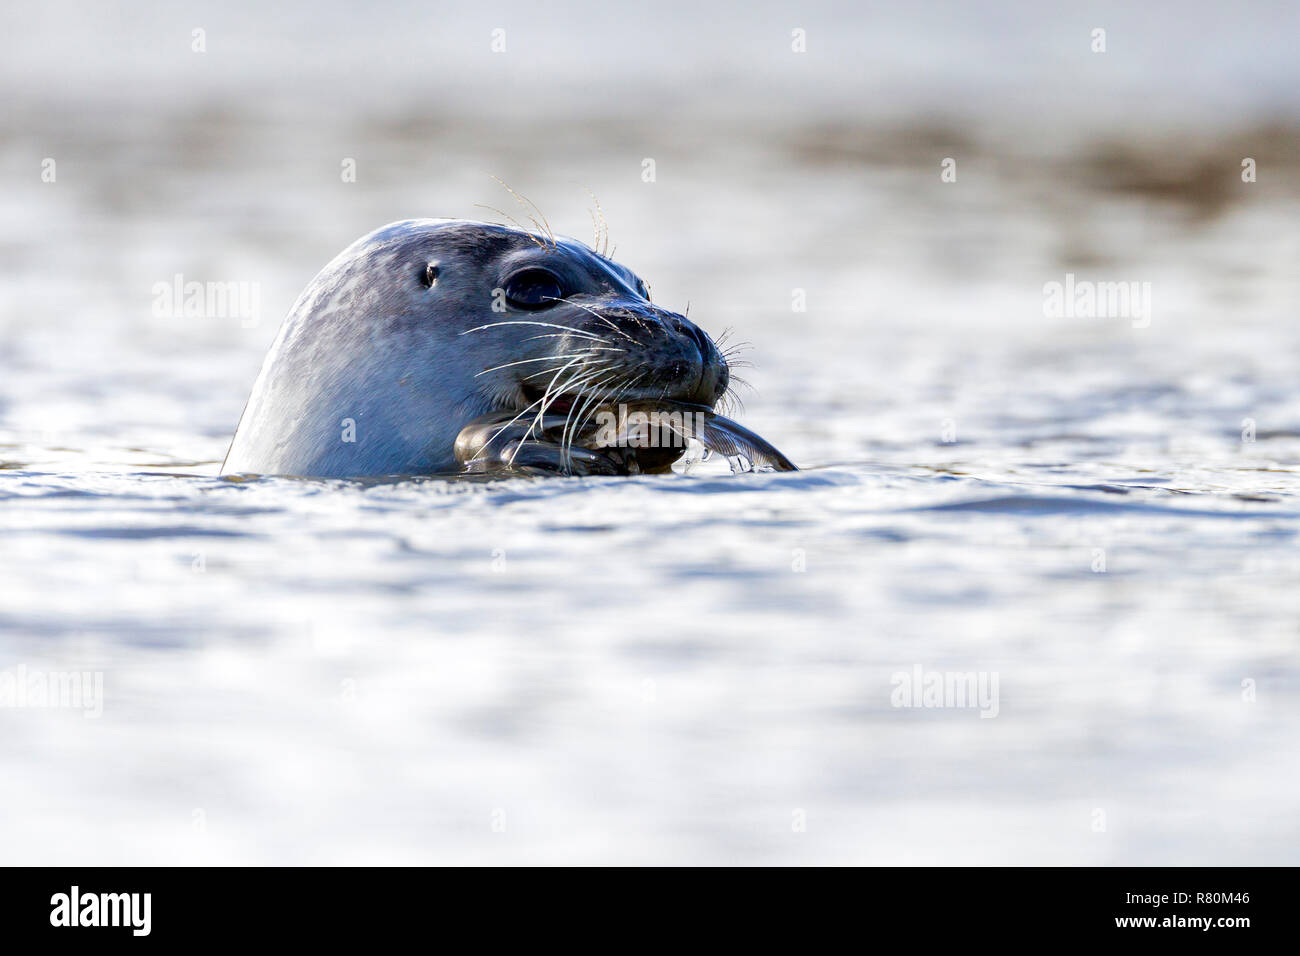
{"points": [[641, 437]]}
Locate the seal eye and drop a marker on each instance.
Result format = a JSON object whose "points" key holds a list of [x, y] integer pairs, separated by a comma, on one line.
{"points": [[430, 274], [533, 289]]}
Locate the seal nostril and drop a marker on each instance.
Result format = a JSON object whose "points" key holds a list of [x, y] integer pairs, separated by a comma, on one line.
{"points": [[701, 340], [694, 333]]}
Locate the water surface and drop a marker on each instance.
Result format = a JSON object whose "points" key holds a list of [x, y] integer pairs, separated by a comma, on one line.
{"points": [[692, 668]]}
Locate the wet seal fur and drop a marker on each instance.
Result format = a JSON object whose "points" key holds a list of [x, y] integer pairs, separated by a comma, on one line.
{"points": [[425, 325]]}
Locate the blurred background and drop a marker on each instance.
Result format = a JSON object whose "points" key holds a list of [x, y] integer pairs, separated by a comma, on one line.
{"points": [[634, 671]]}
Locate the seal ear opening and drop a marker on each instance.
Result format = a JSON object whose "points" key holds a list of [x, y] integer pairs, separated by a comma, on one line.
{"points": [[430, 275]]}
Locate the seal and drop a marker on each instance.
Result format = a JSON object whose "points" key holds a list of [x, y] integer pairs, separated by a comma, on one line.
{"points": [[426, 325]]}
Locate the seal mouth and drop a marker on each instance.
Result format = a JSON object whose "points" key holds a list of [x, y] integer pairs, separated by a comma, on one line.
{"points": [[534, 397], [678, 389]]}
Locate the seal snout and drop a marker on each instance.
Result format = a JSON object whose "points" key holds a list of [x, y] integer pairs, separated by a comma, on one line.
{"points": [[625, 350], [705, 377], [669, 355]]}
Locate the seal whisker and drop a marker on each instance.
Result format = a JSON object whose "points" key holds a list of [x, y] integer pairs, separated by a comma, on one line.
{"points": [[544, 371], [549, 396], [513, 221], [603, 238], [552, 392], [544, 358], [574, 384], [603, 318], [731, 398], [591, 391], [497, 434], [526, 202], [594, 401], [606, 319], [526, 409], [548, 325], [595, 398], [560, 335], [618, 395], [626, 388]]}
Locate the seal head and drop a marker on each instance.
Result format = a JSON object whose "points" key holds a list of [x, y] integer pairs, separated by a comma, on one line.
{"points": [[424, 325]]}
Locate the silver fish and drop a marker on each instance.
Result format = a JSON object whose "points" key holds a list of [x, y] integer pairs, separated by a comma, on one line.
{"points": [[634, 438]]}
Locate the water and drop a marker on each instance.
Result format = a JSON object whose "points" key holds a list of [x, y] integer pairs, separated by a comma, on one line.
{"points": [[1102, 512]]}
